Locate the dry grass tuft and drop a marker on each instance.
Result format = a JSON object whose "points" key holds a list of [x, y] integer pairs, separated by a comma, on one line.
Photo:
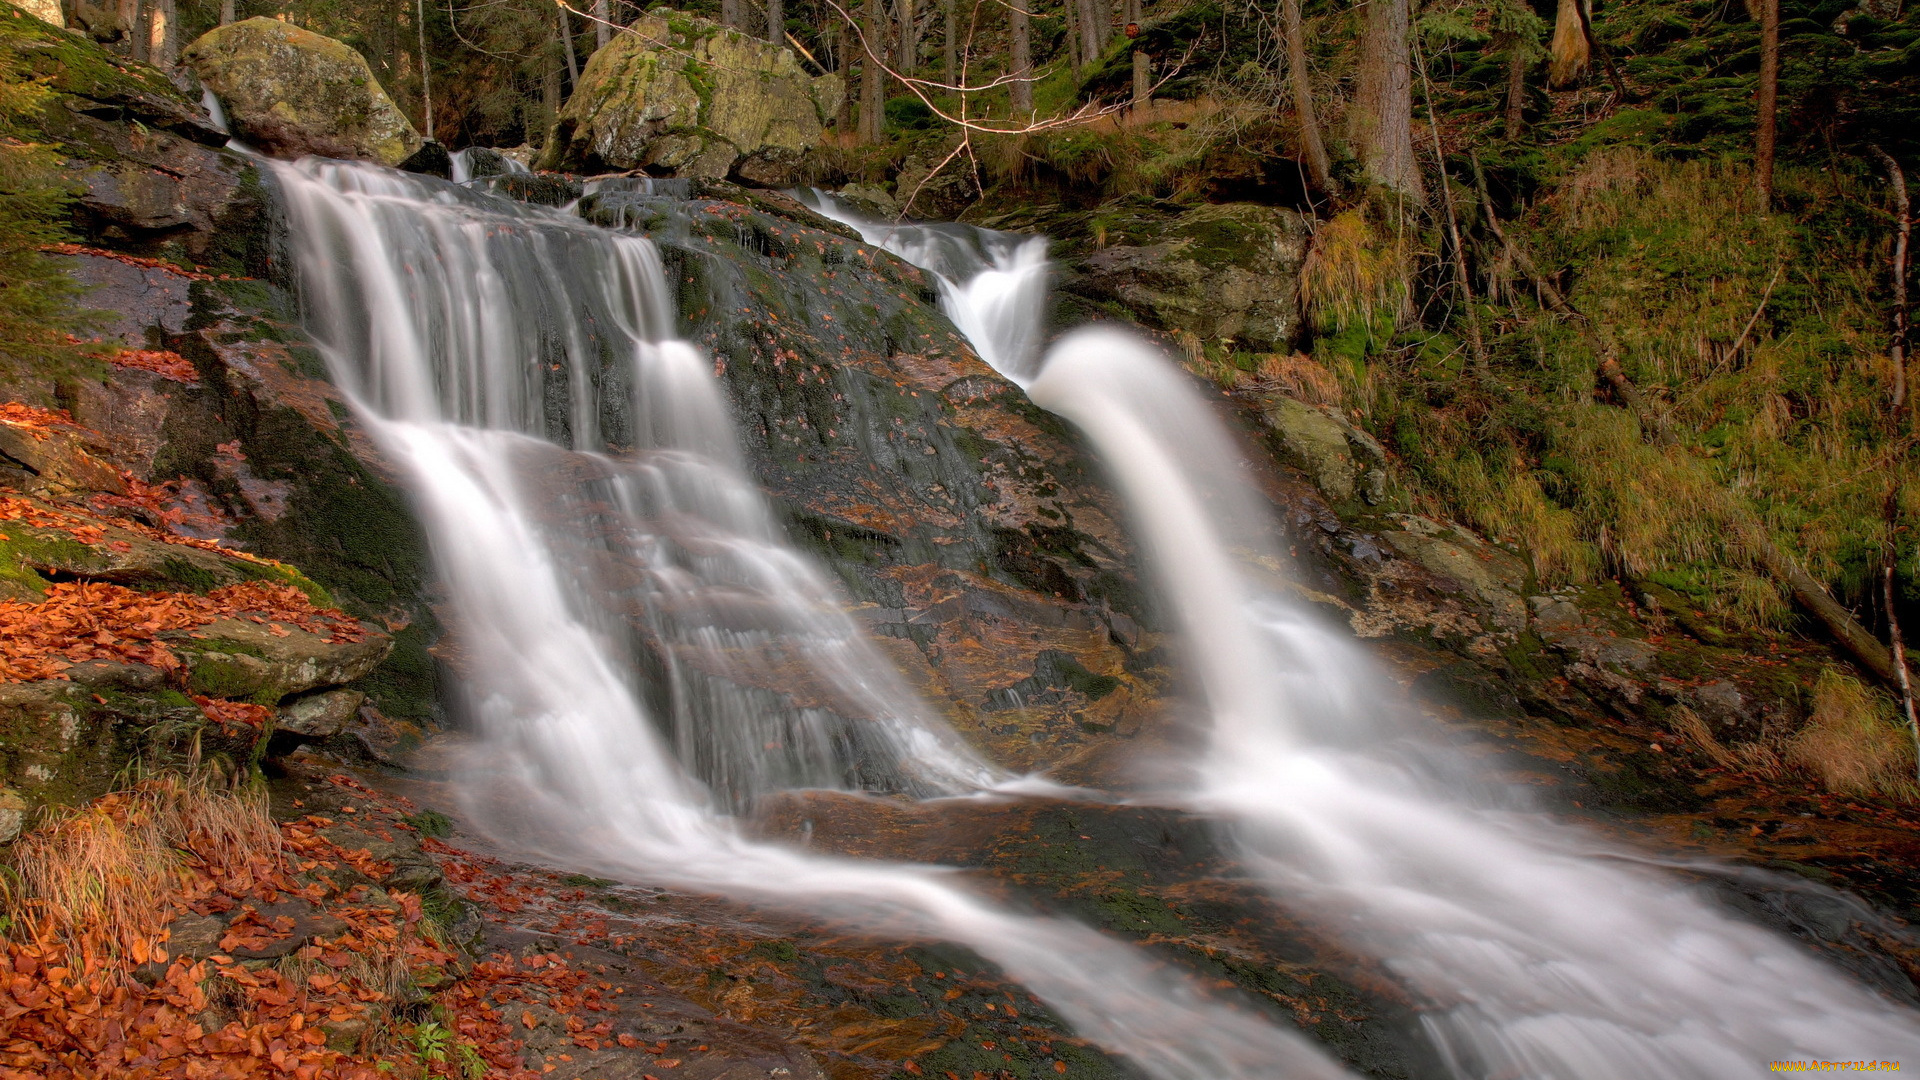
{"points": [[1301, 377], [1354, 275], [1511, 505], [1852, 743], [109, 873], [1757, 758]]}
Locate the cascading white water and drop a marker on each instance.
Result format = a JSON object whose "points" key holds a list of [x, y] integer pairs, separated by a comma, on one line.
{"points": [[461, 165], [638, 643], [993, 285], [1540, 951], [216, 112]]}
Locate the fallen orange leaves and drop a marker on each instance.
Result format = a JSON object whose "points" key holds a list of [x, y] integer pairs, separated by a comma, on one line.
{"points": [[72, 1010], [130, 260], [81, 621], [162, 362], [34, 420], [233, 712]]}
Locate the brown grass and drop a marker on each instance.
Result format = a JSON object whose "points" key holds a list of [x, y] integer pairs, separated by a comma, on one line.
{"points": [[1302, 377], [108, 874], [1852, 744], [1757, 758], [1354, 273]]}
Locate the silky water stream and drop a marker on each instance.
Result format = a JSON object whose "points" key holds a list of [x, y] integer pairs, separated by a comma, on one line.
{"points": [[1539, 950], [618, 589]]}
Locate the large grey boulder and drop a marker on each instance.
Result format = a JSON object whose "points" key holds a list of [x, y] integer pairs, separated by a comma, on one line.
{"points": [[682, 95], [289, 92]]}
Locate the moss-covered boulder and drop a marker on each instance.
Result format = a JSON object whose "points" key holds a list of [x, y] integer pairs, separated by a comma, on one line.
{"points": [[290, 92], [1227, 274], [683, 96]]}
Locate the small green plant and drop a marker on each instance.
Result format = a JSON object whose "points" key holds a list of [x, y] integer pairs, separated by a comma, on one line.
{"points": [[431, 823], [435, 1044], [431, 1042], [468, 1061]]}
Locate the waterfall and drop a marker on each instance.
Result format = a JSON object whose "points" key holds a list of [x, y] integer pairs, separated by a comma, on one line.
{"points": [[1539, 950], [641, 648], [993, 285], [462, 162]]}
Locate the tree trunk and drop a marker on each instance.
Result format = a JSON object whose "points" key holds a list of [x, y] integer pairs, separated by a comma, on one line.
{"points": [[1075, 59], [1380, 120], [873, 81], [731, 13], [566, 46], [1019, 33], [776, 22], [843, 66], [1549, 295], [142, 30], [950, 47], [909, 52], [1813, 597], [426, 79], [166, 17], [1142, 77], [1516, 87], [1568, 55], [1585, 8], [1095, 16], [1769, 101], [226, 12], [1465, 283], [549, 96], [602, 32], [1312, 147], [1903, 680], [1902, 237]]}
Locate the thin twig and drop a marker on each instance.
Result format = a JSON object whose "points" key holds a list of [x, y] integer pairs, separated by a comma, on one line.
{"points": [[1453, 222], [1755, 319], [1541, 285], [1903, 225], [1898, 646]]}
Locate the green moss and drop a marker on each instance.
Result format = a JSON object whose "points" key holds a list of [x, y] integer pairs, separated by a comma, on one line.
{"points": [[218, 677], [189, 575], [71, 64], [780, 952], [585, 881], [431, 823]]}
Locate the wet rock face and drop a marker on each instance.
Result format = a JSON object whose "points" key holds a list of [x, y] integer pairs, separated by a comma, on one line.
{"points": [[290, 92], [681, 96], [1226, 274], [258, 451], [980, 549]]}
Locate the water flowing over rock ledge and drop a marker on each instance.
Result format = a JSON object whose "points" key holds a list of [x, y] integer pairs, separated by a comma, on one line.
{"points": [[983, 551]]}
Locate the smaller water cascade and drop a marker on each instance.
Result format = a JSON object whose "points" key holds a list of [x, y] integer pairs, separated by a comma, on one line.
{"points": [[993, 285], [463, 162], [1541, 951], [529, 357], [216, 112]]}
